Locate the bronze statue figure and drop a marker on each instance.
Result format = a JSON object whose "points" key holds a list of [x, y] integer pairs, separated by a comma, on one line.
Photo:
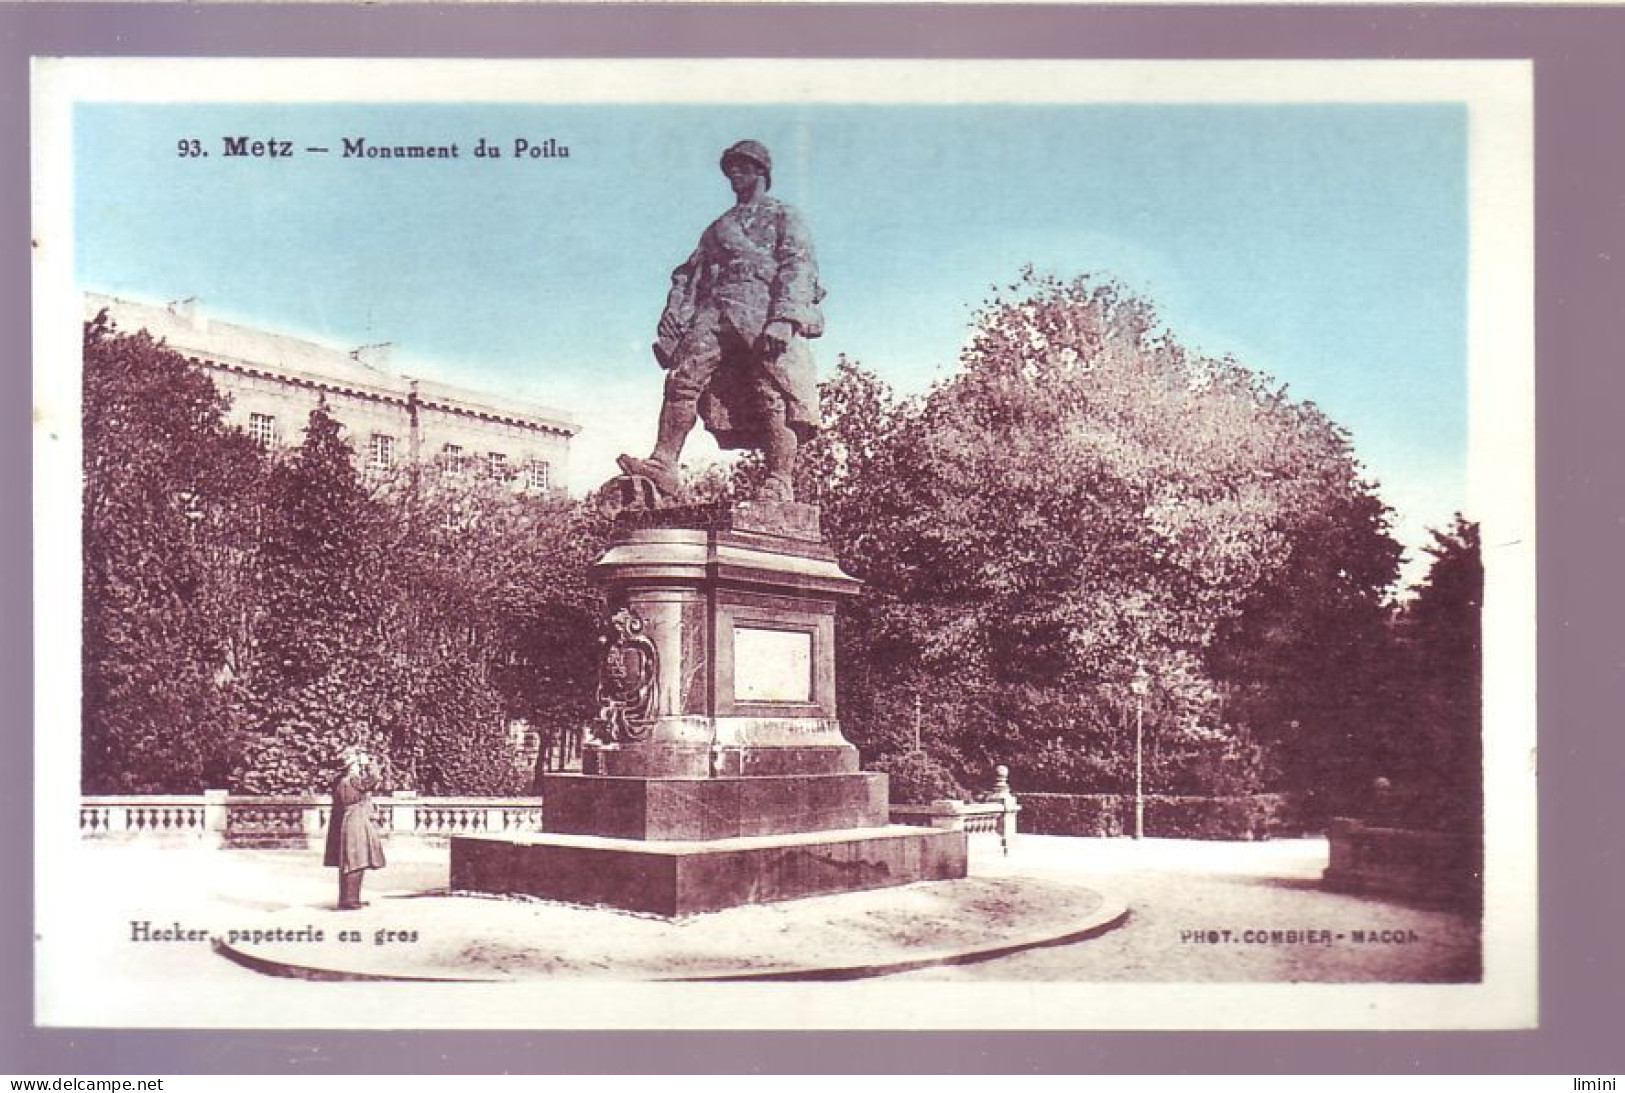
{"points": [[734, 332]]}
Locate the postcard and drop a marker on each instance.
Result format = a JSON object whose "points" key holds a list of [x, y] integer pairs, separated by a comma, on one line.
{"points": [[740, 544]]}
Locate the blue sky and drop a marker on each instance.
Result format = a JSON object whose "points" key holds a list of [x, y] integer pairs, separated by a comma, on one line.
{"points": [[1323, 244]]}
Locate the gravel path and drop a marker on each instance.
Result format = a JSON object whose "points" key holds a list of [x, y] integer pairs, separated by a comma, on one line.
{"points": [[1182, 895], [1185, 895], [484, 938]]}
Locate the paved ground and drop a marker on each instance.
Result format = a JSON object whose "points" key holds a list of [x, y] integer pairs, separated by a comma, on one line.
{"points": [[850, 936], [1185, 895], [93, 968], [1199, 912]]}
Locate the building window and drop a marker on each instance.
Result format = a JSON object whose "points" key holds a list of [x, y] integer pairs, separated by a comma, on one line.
{"points": [[537, 473], [381, 453], [496, 464], [262, 427], [452, 460]]}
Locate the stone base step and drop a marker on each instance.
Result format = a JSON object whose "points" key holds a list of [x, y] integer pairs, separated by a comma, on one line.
{"points": [[674, 878], [712, 808]]}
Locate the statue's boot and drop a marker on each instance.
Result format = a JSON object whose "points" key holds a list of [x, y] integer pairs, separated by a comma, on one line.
{"points": [[661, 466], [779, 453], [663, 477]]}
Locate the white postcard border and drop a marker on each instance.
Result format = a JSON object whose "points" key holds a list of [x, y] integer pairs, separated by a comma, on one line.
{"points": [[1498, 96]]}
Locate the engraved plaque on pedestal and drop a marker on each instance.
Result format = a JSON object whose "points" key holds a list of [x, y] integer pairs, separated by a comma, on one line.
{"points": [[772, 665]]}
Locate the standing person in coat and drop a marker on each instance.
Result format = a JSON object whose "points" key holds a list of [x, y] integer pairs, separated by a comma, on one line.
{"points": [[733, 336], [353, 845]]}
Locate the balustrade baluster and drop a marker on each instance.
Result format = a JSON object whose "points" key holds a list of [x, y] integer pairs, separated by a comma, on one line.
{"points": [[248, 821]]}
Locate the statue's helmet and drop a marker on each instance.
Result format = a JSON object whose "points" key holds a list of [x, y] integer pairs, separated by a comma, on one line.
{"points": [[756, 152]]}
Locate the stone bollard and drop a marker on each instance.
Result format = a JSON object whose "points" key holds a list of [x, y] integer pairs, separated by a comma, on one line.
{"points": [[1002, 794], [214, 818], [403, 812], [1383, 808], [1001, 782]]}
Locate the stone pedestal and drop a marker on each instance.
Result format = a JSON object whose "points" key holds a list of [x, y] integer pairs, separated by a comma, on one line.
{"points": [[717, 771], [736, 606]]}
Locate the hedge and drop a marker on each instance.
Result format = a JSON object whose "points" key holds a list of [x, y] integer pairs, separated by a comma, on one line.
{"points": [[917, 779], [1258, 816]]}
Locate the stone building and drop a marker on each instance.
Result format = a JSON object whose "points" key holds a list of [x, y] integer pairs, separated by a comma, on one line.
{"points": [[275, 380]]}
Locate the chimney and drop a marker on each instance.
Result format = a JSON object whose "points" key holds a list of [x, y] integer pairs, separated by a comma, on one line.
{"points": [[374, 356], [184, 311]]}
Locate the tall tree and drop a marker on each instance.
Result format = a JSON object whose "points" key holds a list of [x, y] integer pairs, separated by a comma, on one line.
{"points": [[321, 682], [168, 490], [500, 587], [1440, 744], [1087, 497]]}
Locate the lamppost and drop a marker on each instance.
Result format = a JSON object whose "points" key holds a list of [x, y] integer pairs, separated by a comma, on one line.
{"points": [[1140, 685]]}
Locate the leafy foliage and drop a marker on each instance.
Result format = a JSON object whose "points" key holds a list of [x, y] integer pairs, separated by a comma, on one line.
{"points": [[1439, 758], [1254, 816], [161, 484], [1086, 497], [249, 613], [916, 778]]}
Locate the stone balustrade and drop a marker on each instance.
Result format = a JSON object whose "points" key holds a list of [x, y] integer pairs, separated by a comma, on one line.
{"points": [[217, 818], [997, 817], [995, 814], [178, 817]]}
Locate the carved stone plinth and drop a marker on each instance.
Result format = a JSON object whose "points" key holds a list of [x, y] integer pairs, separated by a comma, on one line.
{"points": [[729, 666], [717, 728]]}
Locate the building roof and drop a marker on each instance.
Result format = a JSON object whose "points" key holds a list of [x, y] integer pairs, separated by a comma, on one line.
{"points": [[255, 351]]}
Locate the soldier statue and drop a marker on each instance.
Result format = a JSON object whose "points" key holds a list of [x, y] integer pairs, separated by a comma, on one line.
{"points": [[733, 335]]}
